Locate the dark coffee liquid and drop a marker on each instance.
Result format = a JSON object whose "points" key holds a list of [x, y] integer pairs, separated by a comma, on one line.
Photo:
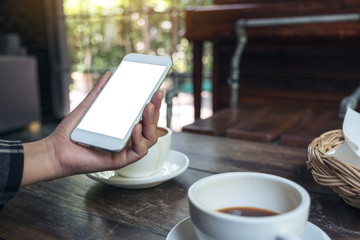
{"points": [[247, 211], [161, 132]]}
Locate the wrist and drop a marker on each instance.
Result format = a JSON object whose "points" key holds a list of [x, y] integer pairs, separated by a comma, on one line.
{"points": [[38, 162]]}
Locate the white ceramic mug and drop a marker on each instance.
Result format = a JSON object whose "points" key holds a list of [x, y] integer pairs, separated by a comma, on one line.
{"points": [[248, 189], [152, 162]]}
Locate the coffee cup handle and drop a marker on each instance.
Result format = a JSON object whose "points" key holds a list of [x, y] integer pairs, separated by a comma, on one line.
{"points": [[287, 236]]}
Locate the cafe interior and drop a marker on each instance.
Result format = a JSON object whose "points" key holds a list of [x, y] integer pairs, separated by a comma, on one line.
{"points": [[281, 76]]}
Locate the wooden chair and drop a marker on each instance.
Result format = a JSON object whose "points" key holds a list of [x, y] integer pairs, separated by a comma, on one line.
{"points": [[270, 114], [301, 58]]}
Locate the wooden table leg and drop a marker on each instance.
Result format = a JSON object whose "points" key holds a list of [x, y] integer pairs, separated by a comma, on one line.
{"points": [[197, 76]]}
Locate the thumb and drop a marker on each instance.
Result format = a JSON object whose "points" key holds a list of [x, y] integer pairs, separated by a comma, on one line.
{"points": [[95, 91]]}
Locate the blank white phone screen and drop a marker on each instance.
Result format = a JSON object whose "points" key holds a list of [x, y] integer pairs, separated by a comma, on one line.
{"points": [[122, 99]]}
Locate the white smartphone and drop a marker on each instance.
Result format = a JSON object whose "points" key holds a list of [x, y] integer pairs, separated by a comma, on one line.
{"points": [[109, 121]]}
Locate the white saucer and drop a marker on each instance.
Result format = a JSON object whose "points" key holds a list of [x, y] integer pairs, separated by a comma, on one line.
{"points": [[175, 165], [185, 231]]}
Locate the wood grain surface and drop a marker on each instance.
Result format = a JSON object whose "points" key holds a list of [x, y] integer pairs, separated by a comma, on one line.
{"points": [[79, 208]]}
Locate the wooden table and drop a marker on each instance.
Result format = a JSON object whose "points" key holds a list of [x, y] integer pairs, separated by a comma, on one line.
{"points": [[294, 126], [79, 208]]}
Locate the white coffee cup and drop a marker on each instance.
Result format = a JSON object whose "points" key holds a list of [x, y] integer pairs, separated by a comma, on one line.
{"points": [[248, 189], [153, 161]]}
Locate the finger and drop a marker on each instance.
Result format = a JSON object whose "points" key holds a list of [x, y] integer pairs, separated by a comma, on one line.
{"points": [[138, 146], [156, 100], [149, 125], [96, 90], [74, 117]]}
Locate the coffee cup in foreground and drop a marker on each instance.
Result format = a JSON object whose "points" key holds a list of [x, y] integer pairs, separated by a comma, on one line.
{"points": [[224, 206], [152, 162]]}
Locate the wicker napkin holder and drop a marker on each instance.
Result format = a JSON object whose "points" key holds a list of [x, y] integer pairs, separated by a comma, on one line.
{"points": [[341, 177]]}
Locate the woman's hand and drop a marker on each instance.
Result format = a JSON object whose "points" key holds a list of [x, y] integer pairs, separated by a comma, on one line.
{"points": [[57, 156]]}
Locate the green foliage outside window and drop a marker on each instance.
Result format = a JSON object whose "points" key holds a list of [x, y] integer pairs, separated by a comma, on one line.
{"points": [[101, 32]]}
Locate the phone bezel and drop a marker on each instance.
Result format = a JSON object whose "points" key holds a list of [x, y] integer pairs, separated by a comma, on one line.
{"points": [[113, 144]]}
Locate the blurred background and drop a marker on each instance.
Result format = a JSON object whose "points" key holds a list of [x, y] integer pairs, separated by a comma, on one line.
{"points": [[72, 43], [100, 33], [295, 80]]}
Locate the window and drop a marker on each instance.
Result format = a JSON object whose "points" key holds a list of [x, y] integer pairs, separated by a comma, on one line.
{"points": [[101, 32]]}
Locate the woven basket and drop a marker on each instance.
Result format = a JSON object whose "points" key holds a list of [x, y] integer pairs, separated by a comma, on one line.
{"points": [[341, 177]]}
